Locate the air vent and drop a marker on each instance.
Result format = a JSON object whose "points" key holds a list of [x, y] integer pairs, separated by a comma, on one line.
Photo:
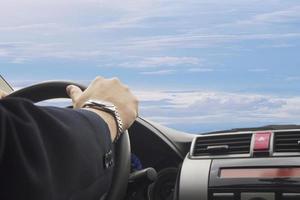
{"points": [[213, 145], [287, 141]]}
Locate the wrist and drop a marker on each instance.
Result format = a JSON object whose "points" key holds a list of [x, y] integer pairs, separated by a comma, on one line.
{"points": [[108, 118]]}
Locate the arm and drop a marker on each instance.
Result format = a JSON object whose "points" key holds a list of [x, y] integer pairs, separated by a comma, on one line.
{"points": [[51, 153], [55, 153]]}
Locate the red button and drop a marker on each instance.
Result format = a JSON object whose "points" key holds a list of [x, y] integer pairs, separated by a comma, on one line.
{"points": [[262, 141]]}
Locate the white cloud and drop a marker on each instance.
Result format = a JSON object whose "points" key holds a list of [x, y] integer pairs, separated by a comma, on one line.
{"points": [[21, 52], [93, 28], [282, 16], [166, 61], [126, 22], [20, 60], [158, 72], [32, 27], [201, 70], [293, 78], [199, 40], [219, 108], [258, 70], [3, 52], [278, 45], [129, 5], [185, 99], [211, 109]]}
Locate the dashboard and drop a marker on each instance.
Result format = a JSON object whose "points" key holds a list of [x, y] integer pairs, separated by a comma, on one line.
{"points": [[250, 165]]}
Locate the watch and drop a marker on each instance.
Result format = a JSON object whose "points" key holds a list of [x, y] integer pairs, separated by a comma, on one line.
{"points": [[109, 108]]}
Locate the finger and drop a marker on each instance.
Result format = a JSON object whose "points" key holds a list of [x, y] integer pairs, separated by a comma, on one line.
{"points": [[2, 94], [74, 93]]}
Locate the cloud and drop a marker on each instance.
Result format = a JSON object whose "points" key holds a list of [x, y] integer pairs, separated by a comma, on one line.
{"points": [[126, 22], [199, 40], [3, 52], [212, 101], [293, 78], [30, 27], [21, 52], [258, 70], [20, 60], [200, 70], [210, 110], [166, 61], [158, 72], [146, 28], [278, 45], [282, 16], [217, 109]]}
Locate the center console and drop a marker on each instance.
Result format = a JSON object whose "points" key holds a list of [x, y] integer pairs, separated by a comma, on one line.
{"points": [[242, 166]]}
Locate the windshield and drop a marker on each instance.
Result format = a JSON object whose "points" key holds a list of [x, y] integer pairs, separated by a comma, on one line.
{"points": [[196, 65]]}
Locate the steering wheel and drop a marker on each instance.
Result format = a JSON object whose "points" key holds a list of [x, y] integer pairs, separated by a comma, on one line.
{"points": [[57, 89]]}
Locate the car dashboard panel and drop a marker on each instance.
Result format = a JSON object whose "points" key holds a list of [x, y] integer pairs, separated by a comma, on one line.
{"points": [[261, 165], [151, 148], [153, 151]]}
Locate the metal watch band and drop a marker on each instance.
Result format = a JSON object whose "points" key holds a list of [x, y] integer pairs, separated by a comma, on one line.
{"points": [[109, 108]]}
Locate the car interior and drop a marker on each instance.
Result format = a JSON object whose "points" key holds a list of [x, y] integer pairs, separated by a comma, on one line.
{"points": [[153, 162]]}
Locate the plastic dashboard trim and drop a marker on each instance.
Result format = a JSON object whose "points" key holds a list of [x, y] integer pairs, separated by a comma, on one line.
{"points": [[272, 153], [156, 131]]}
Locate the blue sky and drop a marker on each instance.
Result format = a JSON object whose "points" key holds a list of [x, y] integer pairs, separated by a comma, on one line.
{"points": [[195, 65]]}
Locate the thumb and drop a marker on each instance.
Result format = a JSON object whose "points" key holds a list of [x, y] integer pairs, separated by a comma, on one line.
{"points": [[2, 94], [74, 93]]}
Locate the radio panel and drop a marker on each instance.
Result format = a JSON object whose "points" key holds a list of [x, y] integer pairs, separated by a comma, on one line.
{"points": [[262, 178], [270, 172]]}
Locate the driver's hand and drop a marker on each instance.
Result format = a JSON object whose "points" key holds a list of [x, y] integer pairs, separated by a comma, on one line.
{"points": [[2, 94], [111, 90]]}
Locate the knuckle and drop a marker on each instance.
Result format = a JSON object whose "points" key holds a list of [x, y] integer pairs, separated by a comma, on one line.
{"points": [[126, 87], [136, 106], [72, 91], [98, 78], [135, 100], [137, 111], [115, 80], [135, 114]]}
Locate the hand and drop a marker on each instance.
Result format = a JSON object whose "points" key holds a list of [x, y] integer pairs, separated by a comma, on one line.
{"points": [[111, 90], [2, 94]]}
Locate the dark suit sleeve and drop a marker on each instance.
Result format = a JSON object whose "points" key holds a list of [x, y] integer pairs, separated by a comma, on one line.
{"points": [[52, 153]]}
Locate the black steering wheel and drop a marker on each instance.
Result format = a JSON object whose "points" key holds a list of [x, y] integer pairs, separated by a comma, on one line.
{"points": [[57, 89]]}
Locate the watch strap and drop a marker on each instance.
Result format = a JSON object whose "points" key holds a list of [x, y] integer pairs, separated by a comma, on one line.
{"points": [[109, 108]]}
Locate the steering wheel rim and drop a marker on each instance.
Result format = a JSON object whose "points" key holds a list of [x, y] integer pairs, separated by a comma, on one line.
{"points": [[57, 89]]}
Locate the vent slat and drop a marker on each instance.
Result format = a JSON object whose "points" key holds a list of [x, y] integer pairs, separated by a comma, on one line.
{"points": [[287, 141], [220, 143], [289, 150], [288, 135], [229, 139], [237, 144], [231, 147], [288, 144]]}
